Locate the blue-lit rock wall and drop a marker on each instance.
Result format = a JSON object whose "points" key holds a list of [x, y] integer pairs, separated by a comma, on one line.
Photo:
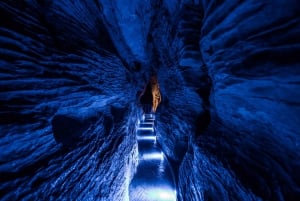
{"points": [[250, 151], [181, 104], [229, 77], [243, 64], [66, 111]]}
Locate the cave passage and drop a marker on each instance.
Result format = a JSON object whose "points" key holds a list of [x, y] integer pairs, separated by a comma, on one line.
{"points": [[154, 177], [218, 80], [150, 98]]}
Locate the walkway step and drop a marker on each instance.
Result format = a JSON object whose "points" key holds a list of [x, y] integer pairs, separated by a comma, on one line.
{"points": [[146, 138], [145, 125], [145, 132], [154, 178], [148, 116], [149, 119], [148, 147], [145, 128], [147, 122], [152, 156]]}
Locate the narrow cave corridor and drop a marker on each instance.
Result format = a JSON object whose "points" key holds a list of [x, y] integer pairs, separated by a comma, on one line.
{"points": [[150, 97], [225, 96], [154, 179]]}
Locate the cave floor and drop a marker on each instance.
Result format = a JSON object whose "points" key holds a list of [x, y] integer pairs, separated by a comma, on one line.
{"points": [[154, 178]]}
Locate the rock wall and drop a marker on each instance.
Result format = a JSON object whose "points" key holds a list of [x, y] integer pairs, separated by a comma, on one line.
{"points": [[67, 109], [250, 150], [228, 73]]}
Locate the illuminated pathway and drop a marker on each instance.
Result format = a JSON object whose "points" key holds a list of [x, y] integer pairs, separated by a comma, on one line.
{"points": [[154, 179]]}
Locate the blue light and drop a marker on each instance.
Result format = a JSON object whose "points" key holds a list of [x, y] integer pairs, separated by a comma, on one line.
{"points": [[161, 194], [153, 156], [146, 138]]}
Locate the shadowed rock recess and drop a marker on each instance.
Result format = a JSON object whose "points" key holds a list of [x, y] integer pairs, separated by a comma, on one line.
{"points": [[229, 76]]}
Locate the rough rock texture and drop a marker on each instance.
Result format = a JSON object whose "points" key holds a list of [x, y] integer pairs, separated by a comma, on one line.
{"points": [[181, 105], [251, 149], [57, 84], [229, 77]]}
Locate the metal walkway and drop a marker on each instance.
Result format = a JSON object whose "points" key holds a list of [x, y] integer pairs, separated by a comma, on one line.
{"points": [[154, 178]]}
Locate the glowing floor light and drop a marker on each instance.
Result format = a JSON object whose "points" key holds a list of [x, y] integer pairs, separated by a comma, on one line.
{"points": [[146, 128], [153, 156], [147, 123], [146, 138], [162, 194], [166, 195]]}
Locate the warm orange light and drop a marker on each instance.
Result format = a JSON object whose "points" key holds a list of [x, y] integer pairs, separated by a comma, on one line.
{"points": [[155, 93]]}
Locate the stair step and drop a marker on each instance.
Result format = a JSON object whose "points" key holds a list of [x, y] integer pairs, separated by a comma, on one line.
{"points": [[152, 156], [145, 133], [149, 119], [146, 138], [147, 146], [148, 116], [146, 129], [146, 124]]}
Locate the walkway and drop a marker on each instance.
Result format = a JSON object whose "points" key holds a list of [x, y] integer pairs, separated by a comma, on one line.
{"points": [[154, 178]]}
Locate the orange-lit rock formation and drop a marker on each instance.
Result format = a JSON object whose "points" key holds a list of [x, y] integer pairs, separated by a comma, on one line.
{"points": [[155, 93]]}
